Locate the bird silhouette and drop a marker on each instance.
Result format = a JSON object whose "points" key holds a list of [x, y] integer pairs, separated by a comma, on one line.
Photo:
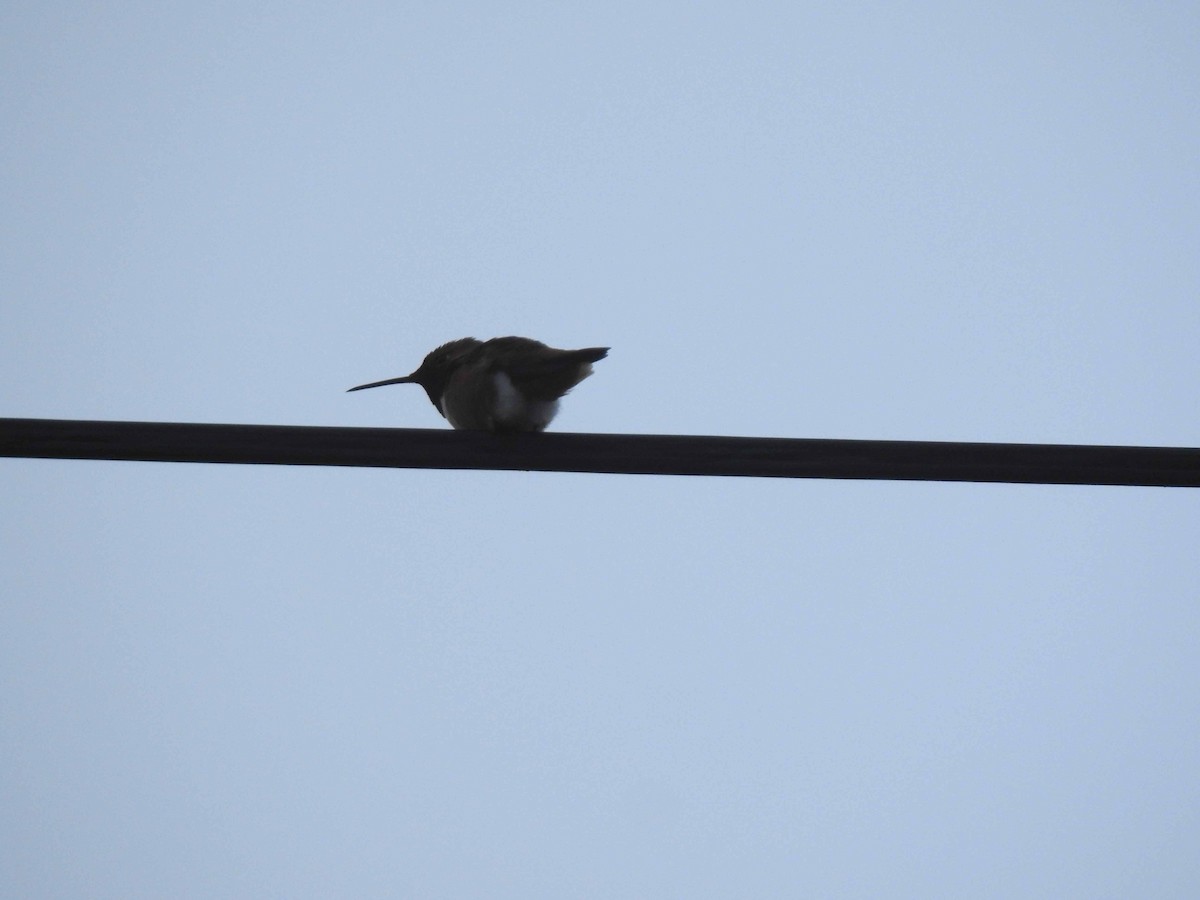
{"points": [[507, 384]]}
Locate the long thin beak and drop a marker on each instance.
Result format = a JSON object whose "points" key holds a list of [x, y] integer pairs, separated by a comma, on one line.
{"points": [[407, 379]]}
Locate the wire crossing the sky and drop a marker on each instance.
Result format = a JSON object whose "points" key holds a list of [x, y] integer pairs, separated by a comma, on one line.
{"points": [[629, 454]]}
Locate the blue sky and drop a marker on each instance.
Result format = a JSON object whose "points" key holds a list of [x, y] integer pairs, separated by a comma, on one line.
{"points": [[927, 221]]}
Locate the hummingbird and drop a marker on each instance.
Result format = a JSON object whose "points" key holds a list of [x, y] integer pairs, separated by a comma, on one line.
{"points": [[506, 384]]}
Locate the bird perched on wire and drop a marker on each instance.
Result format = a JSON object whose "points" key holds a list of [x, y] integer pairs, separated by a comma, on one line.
{"points": [[506, 384]]}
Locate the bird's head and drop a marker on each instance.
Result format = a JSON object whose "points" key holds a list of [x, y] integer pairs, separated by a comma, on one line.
{"points": [[435, 370]]}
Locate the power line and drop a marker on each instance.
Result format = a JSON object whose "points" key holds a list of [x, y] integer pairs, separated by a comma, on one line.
{"points": [[298, 445]]}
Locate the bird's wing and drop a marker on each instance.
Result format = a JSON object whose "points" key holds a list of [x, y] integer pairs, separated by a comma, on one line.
{"points": [[540, 372]]}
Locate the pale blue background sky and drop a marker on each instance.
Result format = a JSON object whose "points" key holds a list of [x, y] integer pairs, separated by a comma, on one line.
{"points": [[931, 221]]}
